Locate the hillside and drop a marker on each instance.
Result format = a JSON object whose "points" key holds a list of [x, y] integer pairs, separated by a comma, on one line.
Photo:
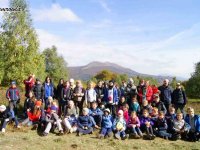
{"points": [[91, 69]]}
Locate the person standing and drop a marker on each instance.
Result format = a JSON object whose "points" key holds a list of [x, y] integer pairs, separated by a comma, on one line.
{"points": [[29, 83], [48, 90], [165, 94]]}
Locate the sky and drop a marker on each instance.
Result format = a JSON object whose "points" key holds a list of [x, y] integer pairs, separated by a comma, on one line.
{"points": [[158, 37]]}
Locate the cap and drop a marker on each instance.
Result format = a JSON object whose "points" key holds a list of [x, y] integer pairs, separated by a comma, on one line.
{"points": [[107, 110], [2, 108]]}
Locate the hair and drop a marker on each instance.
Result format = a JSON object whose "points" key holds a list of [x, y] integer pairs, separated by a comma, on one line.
{"points": [[37, 111], [145, 111], [179, 114], [145, 101], [171, 108], [190, 109], [49, 79], [134, 97], [126, 106], [161, 113], [133, 113], [155, 109]]}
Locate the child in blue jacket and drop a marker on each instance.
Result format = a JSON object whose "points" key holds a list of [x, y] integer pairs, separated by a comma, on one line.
{"points": [[194, 122], [96, 113], [119, 126], [106, 124]]}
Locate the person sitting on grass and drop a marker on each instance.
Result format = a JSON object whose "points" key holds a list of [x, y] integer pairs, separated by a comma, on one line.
{"points": [[134, 125], [170, 117], [122, 102], [146, 106], [125, 109], [35, 115], [84, 123], [6, 116], [106, 124], [154, 114], [52, 119], [119, 126], [160, 127], [194, 121], [96, 113], [181, 128], [146, 125], [71, 115]]}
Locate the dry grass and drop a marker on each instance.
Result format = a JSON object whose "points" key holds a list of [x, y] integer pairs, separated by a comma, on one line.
{"points": [[25, 138]]}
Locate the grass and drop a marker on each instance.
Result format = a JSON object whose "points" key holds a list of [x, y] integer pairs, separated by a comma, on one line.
{"points": [[26, 138]]}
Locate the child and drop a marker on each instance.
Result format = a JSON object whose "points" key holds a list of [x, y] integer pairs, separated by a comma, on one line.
{"points": [[90, 94], [146, 106], [194, 121], [134, 125], [106, 125], [119, 126], [180, 126], [122, 102], [160, 126], [13, 97], [125, 111], [84, 123], [71, 115], [146, 124], [7, 115], [52, 119], [154, 114], [170, 116], [157, 103], [96, 113], [29, 103], [134, 105]]}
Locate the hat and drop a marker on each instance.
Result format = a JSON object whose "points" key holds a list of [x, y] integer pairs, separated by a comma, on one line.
{"points": [[54, 108], [71, 80], [2, 108], [178, 84], [107, 110], [121, 112], [38, 103], [86, 110], [13, 82]]}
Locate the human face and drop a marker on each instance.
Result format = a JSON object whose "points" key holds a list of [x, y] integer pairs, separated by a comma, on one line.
{"points": [[85, 113], [191, 112], [100, 84], [156, 99], [161, 116], [94, 105], [30, 94], [165, 82], [179, 117], [48, 80], [145, 114], [106, 113], [122, 99], [71, 104]]}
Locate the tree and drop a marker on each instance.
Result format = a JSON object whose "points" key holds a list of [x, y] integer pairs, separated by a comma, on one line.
{"points": [[104, 75], [1, 58], [20, 45], [56, 66], [193, 84], [173, 82]]}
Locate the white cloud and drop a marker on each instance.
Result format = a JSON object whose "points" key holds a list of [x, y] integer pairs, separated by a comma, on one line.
{"points": [[55, 14], [104, 5]]}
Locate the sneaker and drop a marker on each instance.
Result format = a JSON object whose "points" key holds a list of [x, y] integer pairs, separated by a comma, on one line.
{"points": [[61, 132], [117, 136], [137, 136], [3, 130], [124, 137], [110, 134], [141, 135], [152, 136], [100, 136], [18, 127], [44, 134]]}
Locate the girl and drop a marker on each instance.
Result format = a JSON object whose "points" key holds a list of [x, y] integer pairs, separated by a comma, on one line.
{"points": [[90, 94], [134, 125]]}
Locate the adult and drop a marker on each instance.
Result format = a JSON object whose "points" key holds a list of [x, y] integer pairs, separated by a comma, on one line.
{"points": [[59, 89], [38, 90], [141, 89], [123, 88], [48, 90], [99, 92], [65, 97], [29, 83], [130, 91], [179, 98], [165, 93]]}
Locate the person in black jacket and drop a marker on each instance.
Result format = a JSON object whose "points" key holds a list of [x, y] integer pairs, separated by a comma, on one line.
{"points": [[157, 103], [7, 115], [179, 98], [59, 89], [99, 91], [38, 90], [165, 94]]}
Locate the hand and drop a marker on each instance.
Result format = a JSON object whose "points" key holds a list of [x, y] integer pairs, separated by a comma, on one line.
{"points": [[7, 119], [28, 109], [9, 99], [133, 125]]}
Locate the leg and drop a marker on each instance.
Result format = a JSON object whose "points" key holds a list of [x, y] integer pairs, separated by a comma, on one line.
{"points": [[48, 127], [103, 131], [25, 121], [66, 123]]}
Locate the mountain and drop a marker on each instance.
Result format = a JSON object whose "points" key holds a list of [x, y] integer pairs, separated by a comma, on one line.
{"points": [[91, 69]]}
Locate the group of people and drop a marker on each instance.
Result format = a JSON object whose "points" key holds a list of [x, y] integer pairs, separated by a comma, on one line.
{"points": [[120, 111]]}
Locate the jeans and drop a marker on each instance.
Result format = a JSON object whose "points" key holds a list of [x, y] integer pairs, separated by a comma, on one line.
{"points": [[13, 106], [121, 133], [27, 122], [136, 130], [70, 124], [163, 133], [9, 119], [105, 131]]}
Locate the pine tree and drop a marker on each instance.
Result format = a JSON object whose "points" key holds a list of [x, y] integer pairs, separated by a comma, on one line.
{"points": [[20, 53]]}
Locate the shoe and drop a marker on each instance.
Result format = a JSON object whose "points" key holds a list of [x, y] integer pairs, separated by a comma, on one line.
{"points": [[137, 136], [100, 136], [152, 136], [79, 134], [110, 134], [61, 132], [141, 135], [44, 134], [125, 137], [117, 136], [3, 130], [71, 130], [18, 127]]}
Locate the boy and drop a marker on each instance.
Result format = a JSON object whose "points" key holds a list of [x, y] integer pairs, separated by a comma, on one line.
{"points": [[96, 113]]}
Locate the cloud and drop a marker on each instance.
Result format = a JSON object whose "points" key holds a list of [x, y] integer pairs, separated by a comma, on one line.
{"points": [[55, 14], [104, 5], [3, 4]]}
